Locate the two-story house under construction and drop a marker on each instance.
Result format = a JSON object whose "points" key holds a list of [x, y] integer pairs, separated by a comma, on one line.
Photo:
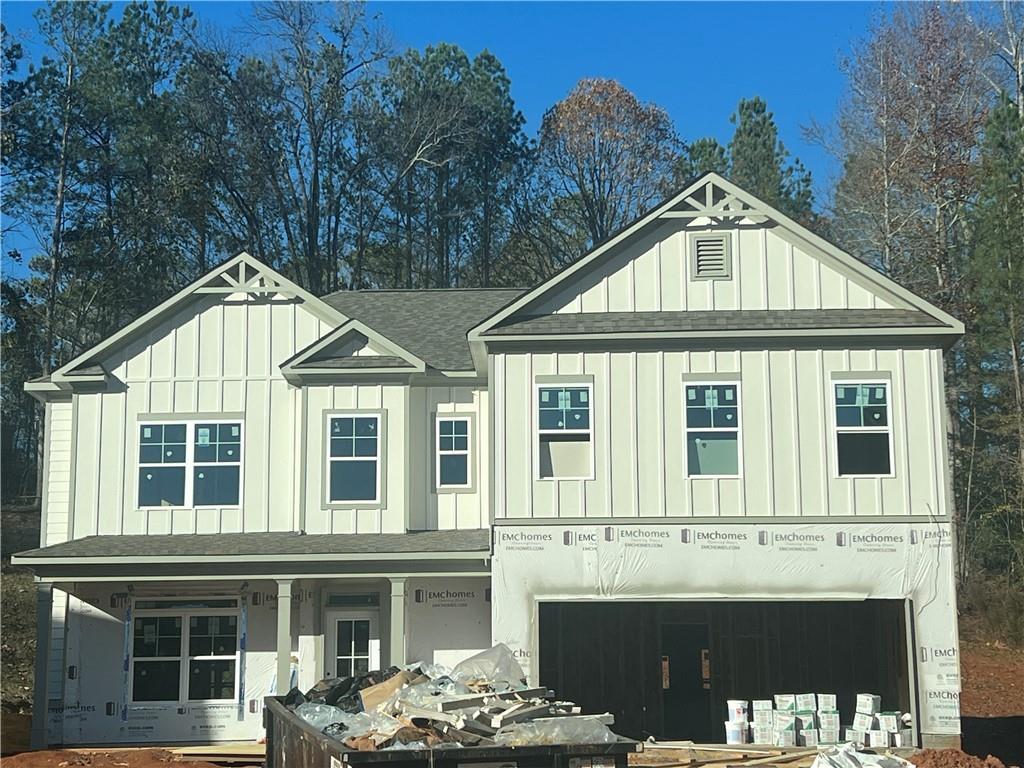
{"points": [[706, 461]]}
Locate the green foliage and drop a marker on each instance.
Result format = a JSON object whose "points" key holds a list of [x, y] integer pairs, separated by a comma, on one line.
{"points": [[756, 160]]}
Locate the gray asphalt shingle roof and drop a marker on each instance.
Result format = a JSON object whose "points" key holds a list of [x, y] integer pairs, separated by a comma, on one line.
{"points": [[714, 320], [263, 544], [431, 324]]}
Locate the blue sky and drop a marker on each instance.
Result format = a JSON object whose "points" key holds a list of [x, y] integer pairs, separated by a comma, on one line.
{"points": [[696, 60]]}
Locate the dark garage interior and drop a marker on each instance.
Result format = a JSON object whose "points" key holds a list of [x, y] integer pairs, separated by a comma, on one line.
{"points": [[666, 669]]}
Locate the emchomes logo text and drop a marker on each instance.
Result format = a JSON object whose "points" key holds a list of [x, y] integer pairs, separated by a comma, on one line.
{"points": [[688, 535], [581, 538], [523, 537], [443, 595]]}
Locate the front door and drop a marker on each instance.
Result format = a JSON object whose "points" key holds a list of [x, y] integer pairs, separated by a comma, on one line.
{"points": [[686, 682], [351, 643]]}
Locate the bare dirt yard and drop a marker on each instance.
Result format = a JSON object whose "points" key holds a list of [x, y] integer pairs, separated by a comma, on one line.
{"points": [[127, 758], [992, 678]]}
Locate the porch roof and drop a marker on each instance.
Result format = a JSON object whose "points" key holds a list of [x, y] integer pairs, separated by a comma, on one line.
{"points": [[260, 553]]}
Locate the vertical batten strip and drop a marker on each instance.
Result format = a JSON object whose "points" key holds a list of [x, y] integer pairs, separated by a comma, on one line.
{"points": [[826, 430], [798, 491], [769, 432], [662, 487], [609, 511], [904, 437]]}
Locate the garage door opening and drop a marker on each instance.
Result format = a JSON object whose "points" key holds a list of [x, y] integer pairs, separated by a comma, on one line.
{"points": [[666, 669]]}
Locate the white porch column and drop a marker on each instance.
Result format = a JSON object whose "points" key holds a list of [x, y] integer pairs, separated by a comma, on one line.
{"points": [[44, 629], [284, 635], [397, 644]]}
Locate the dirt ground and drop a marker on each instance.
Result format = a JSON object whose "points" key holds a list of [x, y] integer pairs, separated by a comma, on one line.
{"points": [[992, 679], [128, 758], [953, 758]]}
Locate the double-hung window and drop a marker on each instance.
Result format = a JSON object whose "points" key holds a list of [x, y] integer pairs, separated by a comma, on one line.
{"points": [[353, 458], [712, 430], [863, 433], [452, 464], [185, 650], [564, 431], [190, 464]]}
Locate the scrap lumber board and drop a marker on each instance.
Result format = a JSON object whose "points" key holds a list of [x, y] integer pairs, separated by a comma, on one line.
{"points": [[605, 718], [527, 711], [248, 752], [479, 699], [422, 713]]}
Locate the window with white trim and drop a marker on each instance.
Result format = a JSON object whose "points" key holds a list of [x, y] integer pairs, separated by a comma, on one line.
{"points": [[564, 432], [863, 433], [185, 654], [712, 430], [190, 464], [354, 458], [451, 449]]}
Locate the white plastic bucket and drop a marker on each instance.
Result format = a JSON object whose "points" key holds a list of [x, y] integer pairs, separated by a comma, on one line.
{"points": [[737, 710], [736, 733]]}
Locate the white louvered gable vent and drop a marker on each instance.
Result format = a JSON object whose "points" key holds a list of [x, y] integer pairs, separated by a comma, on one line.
{"points": [[710, 257]]}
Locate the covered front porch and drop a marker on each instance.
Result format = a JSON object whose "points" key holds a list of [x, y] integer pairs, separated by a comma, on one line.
{"points": [[178, 638]]}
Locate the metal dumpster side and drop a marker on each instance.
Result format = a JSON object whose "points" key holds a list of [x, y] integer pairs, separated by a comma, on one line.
{"points": [[294, 743]]}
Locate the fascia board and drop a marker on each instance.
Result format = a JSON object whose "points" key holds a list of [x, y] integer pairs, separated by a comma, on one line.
{"points": [[75, 578], [756, 333], [317, 306], [45, 390], [41, 562]]}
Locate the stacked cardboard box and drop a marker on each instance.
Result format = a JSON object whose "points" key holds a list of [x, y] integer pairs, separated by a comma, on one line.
{"points": [[809, 719], [873, 728]]}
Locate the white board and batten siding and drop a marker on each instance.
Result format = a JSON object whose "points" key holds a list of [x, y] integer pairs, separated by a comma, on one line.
{"points": [[216, 356], [787, 451], [787, 443], [59, 468], [447, 509], [771, 270]]}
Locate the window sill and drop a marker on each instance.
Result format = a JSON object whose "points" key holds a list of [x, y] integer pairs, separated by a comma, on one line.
{"points": [[190, 509], [370, 504]]}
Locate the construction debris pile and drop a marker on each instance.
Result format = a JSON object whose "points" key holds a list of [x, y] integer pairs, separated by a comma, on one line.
{"points": [[482, 701], [809, 719]]}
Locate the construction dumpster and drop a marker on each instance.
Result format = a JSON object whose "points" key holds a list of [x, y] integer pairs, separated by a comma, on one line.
{"points": [[294, 743]]}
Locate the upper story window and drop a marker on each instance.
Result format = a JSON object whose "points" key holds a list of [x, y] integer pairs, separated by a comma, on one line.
{"points": [[190, 464], [452, 453], [564, 432], [354, 458], [863, 433], [712, 430], [187, 653]]}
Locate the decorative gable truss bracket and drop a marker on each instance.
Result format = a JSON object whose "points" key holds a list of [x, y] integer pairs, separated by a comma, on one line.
{"points": [[717, 204], [247, 277]]}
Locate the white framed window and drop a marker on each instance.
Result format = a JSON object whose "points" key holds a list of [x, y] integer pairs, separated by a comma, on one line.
{"points": [[564, 435], [712, 429], [353, 458], [185, 650], [452, 457], [190, 464], [863, 439]]}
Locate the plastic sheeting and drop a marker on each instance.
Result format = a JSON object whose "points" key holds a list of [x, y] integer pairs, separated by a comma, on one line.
{"points": [[495, 665], [823, 561], [559, 730], [847, 756]]}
